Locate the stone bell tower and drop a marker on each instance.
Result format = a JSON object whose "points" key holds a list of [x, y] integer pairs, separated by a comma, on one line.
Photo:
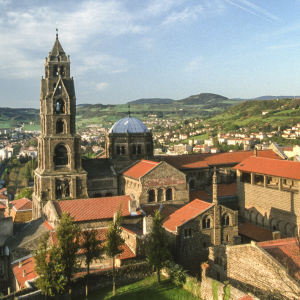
{"points": [[59, 174]]}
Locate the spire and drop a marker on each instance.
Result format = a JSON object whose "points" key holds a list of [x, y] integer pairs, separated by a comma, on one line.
{"points": [[57, 51], [215, 186]]}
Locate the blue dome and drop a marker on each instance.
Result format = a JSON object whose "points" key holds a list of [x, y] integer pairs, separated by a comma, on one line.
{"points": [[129, 124]]}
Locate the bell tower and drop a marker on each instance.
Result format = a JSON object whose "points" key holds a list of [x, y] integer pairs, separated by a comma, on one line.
{"points": [[59, 174]]}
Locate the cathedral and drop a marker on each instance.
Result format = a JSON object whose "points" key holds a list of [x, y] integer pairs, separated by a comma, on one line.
{"points": [[63, 175]]}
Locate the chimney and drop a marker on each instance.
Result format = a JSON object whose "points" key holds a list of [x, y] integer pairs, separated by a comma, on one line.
{"points": [[147, 225], [276, 235], [255, 151], [24, 273], [20, 264], [132, 206]]}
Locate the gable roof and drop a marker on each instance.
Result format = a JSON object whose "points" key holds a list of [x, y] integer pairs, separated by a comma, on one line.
{"points": [[254, 232], [22, 204], [185, 214], [165, 210], [93, 208], [285, 251], [205, 160], [140, 168], [224, 190], [28, 265], [274, 167]]}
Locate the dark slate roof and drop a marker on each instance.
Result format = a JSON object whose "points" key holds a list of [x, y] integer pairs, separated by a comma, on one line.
{"points": [[98, 167], [25, 241], [56, 50]]}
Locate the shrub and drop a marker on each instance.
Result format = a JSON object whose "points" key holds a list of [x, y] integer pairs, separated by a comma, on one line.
{"points": [[176, 273]]}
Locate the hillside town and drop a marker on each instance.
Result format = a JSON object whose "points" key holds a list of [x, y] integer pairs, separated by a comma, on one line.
{"points": [[228, 216]]}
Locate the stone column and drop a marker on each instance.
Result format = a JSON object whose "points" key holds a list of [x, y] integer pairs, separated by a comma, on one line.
{"points": [[73, 187], [280, 184], [52, 189], [252, 179], [265, 181]]}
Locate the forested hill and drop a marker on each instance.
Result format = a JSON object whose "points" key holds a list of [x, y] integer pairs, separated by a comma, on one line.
{"points": [[152, 101]]}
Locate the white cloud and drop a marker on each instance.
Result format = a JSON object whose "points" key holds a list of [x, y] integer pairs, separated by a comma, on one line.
{"points": [[193, 65], [187, 15], [101, 86]]}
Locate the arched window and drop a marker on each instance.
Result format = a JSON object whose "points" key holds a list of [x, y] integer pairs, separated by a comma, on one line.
{"points": [[160, 195], [60, 126], [61, 155], [118, 150], [60, 106], [123, 150], [55, 71], [206, 222], [134, 150], [169, 194], [151, 196], [192, 185], [62, 71], [62, 189], [139, 149], [225, 220]]}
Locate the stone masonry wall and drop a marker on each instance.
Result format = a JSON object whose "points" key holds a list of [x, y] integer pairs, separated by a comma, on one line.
{"points": [[270, 208], [250, 267]]}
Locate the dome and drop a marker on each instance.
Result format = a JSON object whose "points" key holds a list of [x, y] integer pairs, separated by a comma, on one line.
{"points": [[132, 125]]}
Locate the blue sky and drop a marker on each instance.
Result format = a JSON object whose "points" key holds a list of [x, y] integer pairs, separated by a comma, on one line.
{"points": [[123, 50]]}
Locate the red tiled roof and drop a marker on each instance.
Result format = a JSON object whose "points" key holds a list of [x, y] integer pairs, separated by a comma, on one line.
{"points": [[93, 208], [247, 297], [279, 168], [286, 251], [185, 214], [132, 230], [204, 160], [166, 210], [3, 196], [2, 206], [256, 233], [140, 169], [22, 204], [223, 191], [2, 190], [27, 265], [48, 226], [127, 253]]}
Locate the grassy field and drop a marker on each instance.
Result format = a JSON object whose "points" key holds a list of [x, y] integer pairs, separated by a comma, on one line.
{"points": [[146, 289]]}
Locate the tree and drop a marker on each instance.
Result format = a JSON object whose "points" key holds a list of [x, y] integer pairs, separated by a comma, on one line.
{"points": [[93, 250], [113, 247], [68, 236], [48, 267], [24, 193], [158, 253]]}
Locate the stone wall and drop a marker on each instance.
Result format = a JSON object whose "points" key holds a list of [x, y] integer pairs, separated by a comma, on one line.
{"points": [[251, 268], [270, 208]]}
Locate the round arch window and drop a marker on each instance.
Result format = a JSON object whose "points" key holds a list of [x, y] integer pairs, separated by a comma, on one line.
{"points": [[61, 155]]}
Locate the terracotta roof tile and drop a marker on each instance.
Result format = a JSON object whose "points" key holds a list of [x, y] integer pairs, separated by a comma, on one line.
{"points": [[127, 253], [22, 204], [166, 210], [3, 196], [27, 266], [255, 233], [94, 208], [2, 206], [2, 190], [48, 226], [286, 251], [279, 168], [185, 214], [204, 160], [224, 190], [140, 169]]}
